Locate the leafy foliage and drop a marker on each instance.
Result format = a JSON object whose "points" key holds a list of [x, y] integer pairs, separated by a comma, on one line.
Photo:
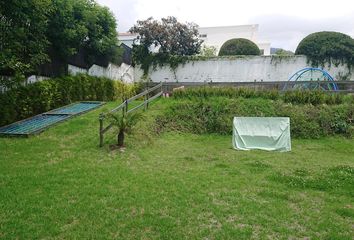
{"points": [[214, 114], [165, 41], [124, 124], [321, 47], [282, 52], [41, 31], [239, 46], [82, 26], [313, 97], [23, 42], [168, 35], [208, 51], [25, 101]]}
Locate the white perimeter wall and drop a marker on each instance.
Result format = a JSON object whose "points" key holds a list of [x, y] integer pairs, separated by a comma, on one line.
{"points": [[123, 72], [243, 69]]}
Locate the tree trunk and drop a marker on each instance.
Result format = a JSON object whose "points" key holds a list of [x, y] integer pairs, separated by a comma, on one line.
{"points": [[120, 138]]}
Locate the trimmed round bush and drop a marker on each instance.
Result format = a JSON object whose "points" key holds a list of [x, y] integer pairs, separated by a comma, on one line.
{"points": [[323, 47], [239, 46]]}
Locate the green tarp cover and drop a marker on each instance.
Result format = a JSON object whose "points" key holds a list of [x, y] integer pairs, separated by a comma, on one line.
{"points": [[265, 133]]}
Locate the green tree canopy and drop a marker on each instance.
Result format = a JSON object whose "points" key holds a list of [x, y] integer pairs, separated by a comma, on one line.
{"points": [[283, 52], [208, 51], [23, 42], [239, 46], [34, 32], [82, 25], [323, 47]]}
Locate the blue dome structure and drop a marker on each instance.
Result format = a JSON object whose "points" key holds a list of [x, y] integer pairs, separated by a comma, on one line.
{"points": [[307, 75]]}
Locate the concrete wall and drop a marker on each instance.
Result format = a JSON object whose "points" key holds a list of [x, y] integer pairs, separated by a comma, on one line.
{"points": [[123, 72], [242, 69], [31, 79]]}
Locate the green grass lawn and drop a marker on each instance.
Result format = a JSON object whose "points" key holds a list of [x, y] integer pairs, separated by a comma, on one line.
{"points": [[61, 185]]}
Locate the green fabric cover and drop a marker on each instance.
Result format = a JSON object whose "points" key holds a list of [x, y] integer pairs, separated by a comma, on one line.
{"points": [[265, 133]]}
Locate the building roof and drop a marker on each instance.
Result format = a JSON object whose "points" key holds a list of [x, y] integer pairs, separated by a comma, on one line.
{"points": [[247, 26], [126, 34]]}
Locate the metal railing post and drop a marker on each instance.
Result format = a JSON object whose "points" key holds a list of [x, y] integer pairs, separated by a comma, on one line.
{"points": [[101, 129], [125, 108]]}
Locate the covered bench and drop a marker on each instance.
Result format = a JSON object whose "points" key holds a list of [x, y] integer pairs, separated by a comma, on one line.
{"points": [[265, 133]]}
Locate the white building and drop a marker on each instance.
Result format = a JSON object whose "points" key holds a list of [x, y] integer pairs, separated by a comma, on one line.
{"points": [[127, 38], [217, 36]]}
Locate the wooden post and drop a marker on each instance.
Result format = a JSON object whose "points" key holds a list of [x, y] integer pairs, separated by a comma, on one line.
{"points": [[101, 128], [146, 97]]}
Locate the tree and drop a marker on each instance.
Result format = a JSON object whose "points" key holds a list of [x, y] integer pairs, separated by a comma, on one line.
{"points": [[282, 52], [124, 124], [23, 41], [239, 46], [82, 26], [102, 39], [168, 36], [36, 32], [323, 47], [208, 51]]}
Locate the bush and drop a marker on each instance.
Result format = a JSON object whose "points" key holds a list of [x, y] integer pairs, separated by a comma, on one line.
{"points": [[25, 101], [324, 47], [314, 97], [239, 46], [230, 92], [215, 115]]}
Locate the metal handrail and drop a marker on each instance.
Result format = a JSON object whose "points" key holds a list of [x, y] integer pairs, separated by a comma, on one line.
{"points": [[124, 107]]}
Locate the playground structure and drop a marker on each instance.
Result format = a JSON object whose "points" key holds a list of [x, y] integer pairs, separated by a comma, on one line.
{"points": [[311, 79]]}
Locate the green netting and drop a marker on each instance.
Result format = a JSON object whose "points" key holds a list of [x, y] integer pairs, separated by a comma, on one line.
{"points": [[33, 124], [76, 108], [40, 122]]}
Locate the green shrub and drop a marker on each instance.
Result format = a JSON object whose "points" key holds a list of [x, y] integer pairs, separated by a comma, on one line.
{"points": [[230, 92], [314, 97], [215, 115], [321, 47], [239, 46], [25, 101]]}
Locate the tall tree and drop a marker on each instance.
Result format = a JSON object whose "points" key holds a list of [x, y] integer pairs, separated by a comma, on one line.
{"points": [[34, 32], [101, 40], [85, 26], [23, 42], [168, 36]]}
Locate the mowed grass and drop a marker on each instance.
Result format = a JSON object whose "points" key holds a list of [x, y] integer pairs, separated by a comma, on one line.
{"points": [[61, 185]]}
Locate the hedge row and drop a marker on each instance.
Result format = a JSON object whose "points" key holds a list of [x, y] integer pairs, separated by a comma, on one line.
{"points": [[215, 115], [313, 97], [25, 101]]}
